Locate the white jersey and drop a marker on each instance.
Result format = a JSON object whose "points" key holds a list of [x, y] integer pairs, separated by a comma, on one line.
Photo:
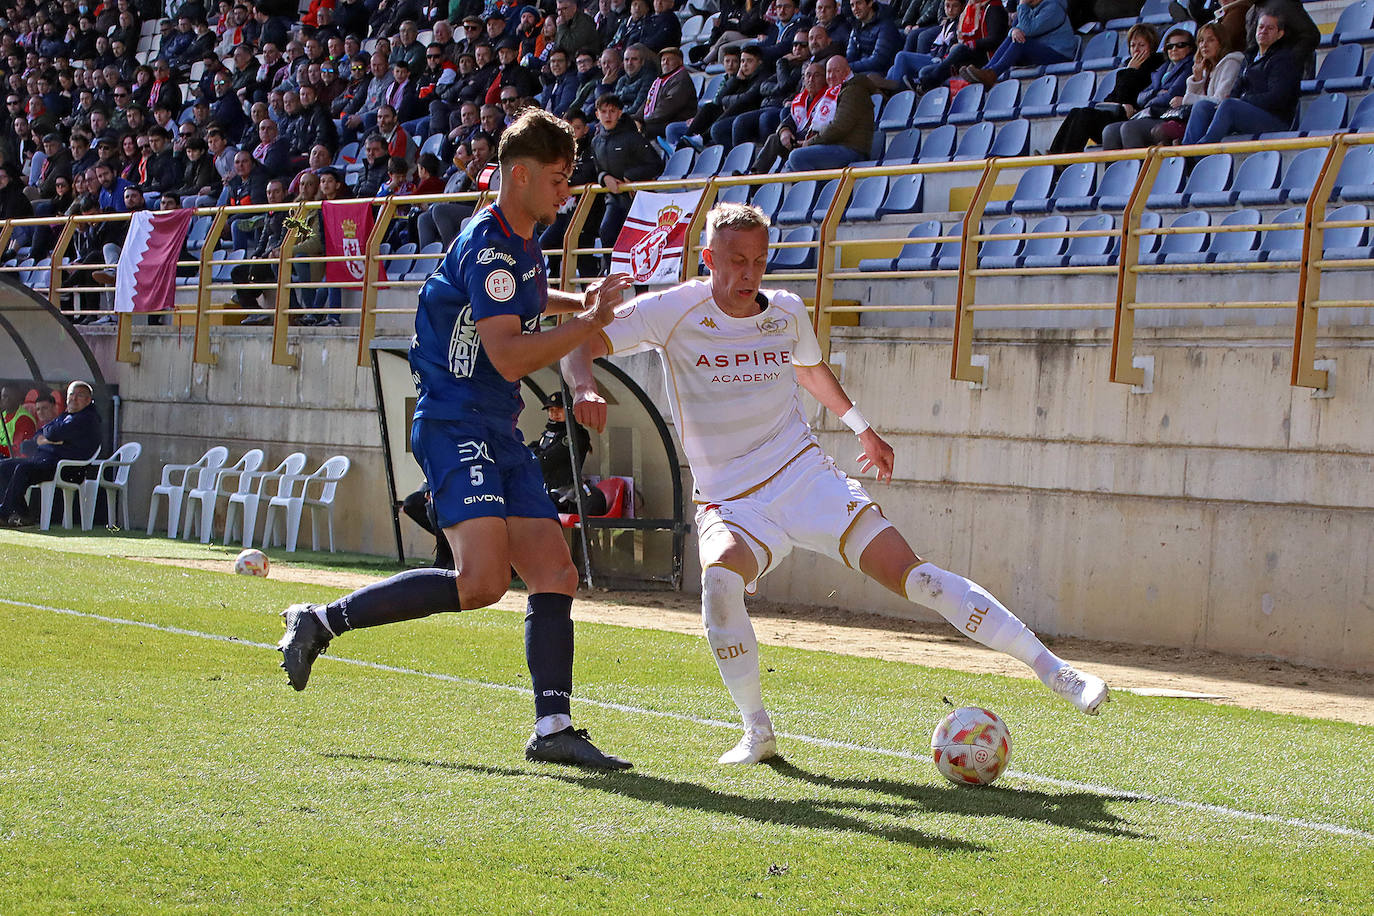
{"points": [[730, 383]]}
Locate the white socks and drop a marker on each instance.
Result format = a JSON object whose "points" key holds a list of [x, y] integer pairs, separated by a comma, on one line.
{"points": [[548, 725], [732, 641], [979, 616]]}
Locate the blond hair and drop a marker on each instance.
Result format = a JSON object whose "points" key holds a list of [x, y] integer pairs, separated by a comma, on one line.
{"points": [[734, 218]]}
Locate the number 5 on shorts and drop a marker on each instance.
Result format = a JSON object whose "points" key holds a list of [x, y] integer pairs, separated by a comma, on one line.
{"points": [[475, 472]]}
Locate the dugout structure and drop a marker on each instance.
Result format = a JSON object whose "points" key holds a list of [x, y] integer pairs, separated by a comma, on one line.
{"points": [[634, 552], [40, 348]]}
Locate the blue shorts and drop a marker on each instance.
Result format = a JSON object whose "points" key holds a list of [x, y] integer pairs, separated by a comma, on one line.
{"points": [[477, 471]]}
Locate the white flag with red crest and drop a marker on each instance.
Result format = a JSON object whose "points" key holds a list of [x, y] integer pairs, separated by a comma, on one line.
{"points": [[649, 247]]}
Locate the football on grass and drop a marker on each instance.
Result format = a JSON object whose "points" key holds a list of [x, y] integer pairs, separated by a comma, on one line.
{"points": [[251, 563], [971, 746]]}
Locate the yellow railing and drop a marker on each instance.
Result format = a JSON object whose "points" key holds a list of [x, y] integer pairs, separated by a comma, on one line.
{"points": [[829, 247]]}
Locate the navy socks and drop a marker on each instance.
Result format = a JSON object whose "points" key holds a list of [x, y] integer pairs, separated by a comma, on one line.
{"points": [[549, 652], [406, 596]]}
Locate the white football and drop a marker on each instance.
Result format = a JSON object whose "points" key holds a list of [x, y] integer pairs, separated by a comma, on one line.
{"points": [[251, 563], [971, 746]]}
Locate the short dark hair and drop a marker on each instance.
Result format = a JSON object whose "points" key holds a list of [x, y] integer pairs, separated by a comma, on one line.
{"points": [[610, 98], [397, 164], [537, 135]]}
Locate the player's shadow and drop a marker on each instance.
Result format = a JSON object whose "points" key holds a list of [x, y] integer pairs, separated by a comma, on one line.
{"points": [[1075, 810], [808, 813]]}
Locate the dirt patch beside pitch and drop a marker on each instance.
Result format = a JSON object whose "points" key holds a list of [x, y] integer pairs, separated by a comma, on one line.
{"points": [[1250, 682]]}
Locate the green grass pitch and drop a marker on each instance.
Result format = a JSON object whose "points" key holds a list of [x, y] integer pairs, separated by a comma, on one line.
{"points": [[152, 771]]}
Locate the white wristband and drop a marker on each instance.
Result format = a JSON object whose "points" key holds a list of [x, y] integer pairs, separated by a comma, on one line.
{"points": [[855, 420]]}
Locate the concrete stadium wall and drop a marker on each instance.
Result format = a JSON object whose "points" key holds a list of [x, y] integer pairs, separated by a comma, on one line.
{"points": [[1225, 510]]}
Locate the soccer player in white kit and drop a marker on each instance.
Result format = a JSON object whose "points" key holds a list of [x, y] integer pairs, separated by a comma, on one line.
{"points": [[733, 356]]}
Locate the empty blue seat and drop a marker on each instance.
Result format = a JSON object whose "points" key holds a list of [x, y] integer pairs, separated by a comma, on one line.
{"points": [[1034, 184], [1345, 243], [913, 252], [1362, 121], [1076, 92], [905, 194], [1118, 180], [1001, 251], [1323, 115], [795, 258], [1072, 65], [1091, 250], [896, 114], [930, 111], [768, 197], [678, 164], [1297, 182], [1038, 99], [796, 202], [708, 92], [937, 145], [1048, 252], [1000, 102], [1000, 254], [1155, 12], [1179, 249], [433, 144], [1355, 180], [1259, 172], [1356, 23], [1228, 246], [1074, 182], [1210, 175], [824, 199], [1284, 244], [707, 162], [737, 161], [966, 105], [902, 147], [734, 194], [1343, 63], [1168, 180], [1105, 84], [866, 198], [975, 142], [1101, 51], [1013, 139]]}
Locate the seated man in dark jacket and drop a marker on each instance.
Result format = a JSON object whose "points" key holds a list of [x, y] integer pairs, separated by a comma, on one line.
{"points": [[1265, 96], [268, 234], [75, 434], [622, 154]]}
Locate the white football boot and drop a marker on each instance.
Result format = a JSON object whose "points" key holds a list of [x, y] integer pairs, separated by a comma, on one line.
{"points": [[1085, 691], [754, 747]]}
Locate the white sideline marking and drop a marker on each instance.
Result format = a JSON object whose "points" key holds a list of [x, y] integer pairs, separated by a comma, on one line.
{"points": [[1109, 791]]}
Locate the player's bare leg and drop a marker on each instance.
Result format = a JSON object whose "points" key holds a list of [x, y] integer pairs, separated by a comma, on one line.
{"points": [[727, 564], [890, 561]]}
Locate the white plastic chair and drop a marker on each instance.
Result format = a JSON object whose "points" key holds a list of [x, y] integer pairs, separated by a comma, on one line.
{"points": [[83, 487], [115, 485], [204, 499], [292, 503], [249, 499], [176, 480]]}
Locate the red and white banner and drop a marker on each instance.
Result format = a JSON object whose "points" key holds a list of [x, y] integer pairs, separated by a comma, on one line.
{"points": [[347, 225], [649, 247], [146, 278]]}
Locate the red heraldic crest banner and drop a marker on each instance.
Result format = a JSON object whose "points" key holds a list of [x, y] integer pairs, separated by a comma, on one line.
{"points": [[347, 225], [146, 277], [650, 244]]}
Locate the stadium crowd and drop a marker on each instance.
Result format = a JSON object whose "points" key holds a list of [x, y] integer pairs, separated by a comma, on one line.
{"points": [[122, 105]]}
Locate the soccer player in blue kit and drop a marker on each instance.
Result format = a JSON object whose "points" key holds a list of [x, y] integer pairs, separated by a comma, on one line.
{"points": [[476, 335]]}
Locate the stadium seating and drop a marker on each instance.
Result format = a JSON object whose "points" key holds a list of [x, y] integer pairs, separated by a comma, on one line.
{"points": [[1284, 244], [975, 142], [938, 144], [707, 162], [1093, 251], [967, 105], [678, 164], [867, 198], [1355, 180], [797, 202], [782, 259], [1034, 185], [1038, 99], [1257, 172], [902, 147], [1296, 184], [1340, 243], [294, 501], [1074, 181], [904, 195], [112, 478], [930, 111], [896, 114], [1228, 243], [203, 499], [247, 502], [1180, 249], [737, 161], [1000, 102], [1013, 139], [1210, 175]]}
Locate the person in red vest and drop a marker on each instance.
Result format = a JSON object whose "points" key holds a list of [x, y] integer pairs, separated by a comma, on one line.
{"points": [[17, 423]]}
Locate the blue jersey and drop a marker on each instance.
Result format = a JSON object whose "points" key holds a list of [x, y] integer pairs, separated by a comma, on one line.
{"points": [[489, 271]]}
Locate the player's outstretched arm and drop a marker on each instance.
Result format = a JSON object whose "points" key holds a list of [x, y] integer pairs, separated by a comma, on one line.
{"points": [[611, 287], [515, 354], [589, 407], [825, 388]]}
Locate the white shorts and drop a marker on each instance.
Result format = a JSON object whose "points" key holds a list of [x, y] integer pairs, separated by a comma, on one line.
{"points": [[809, 503]]}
